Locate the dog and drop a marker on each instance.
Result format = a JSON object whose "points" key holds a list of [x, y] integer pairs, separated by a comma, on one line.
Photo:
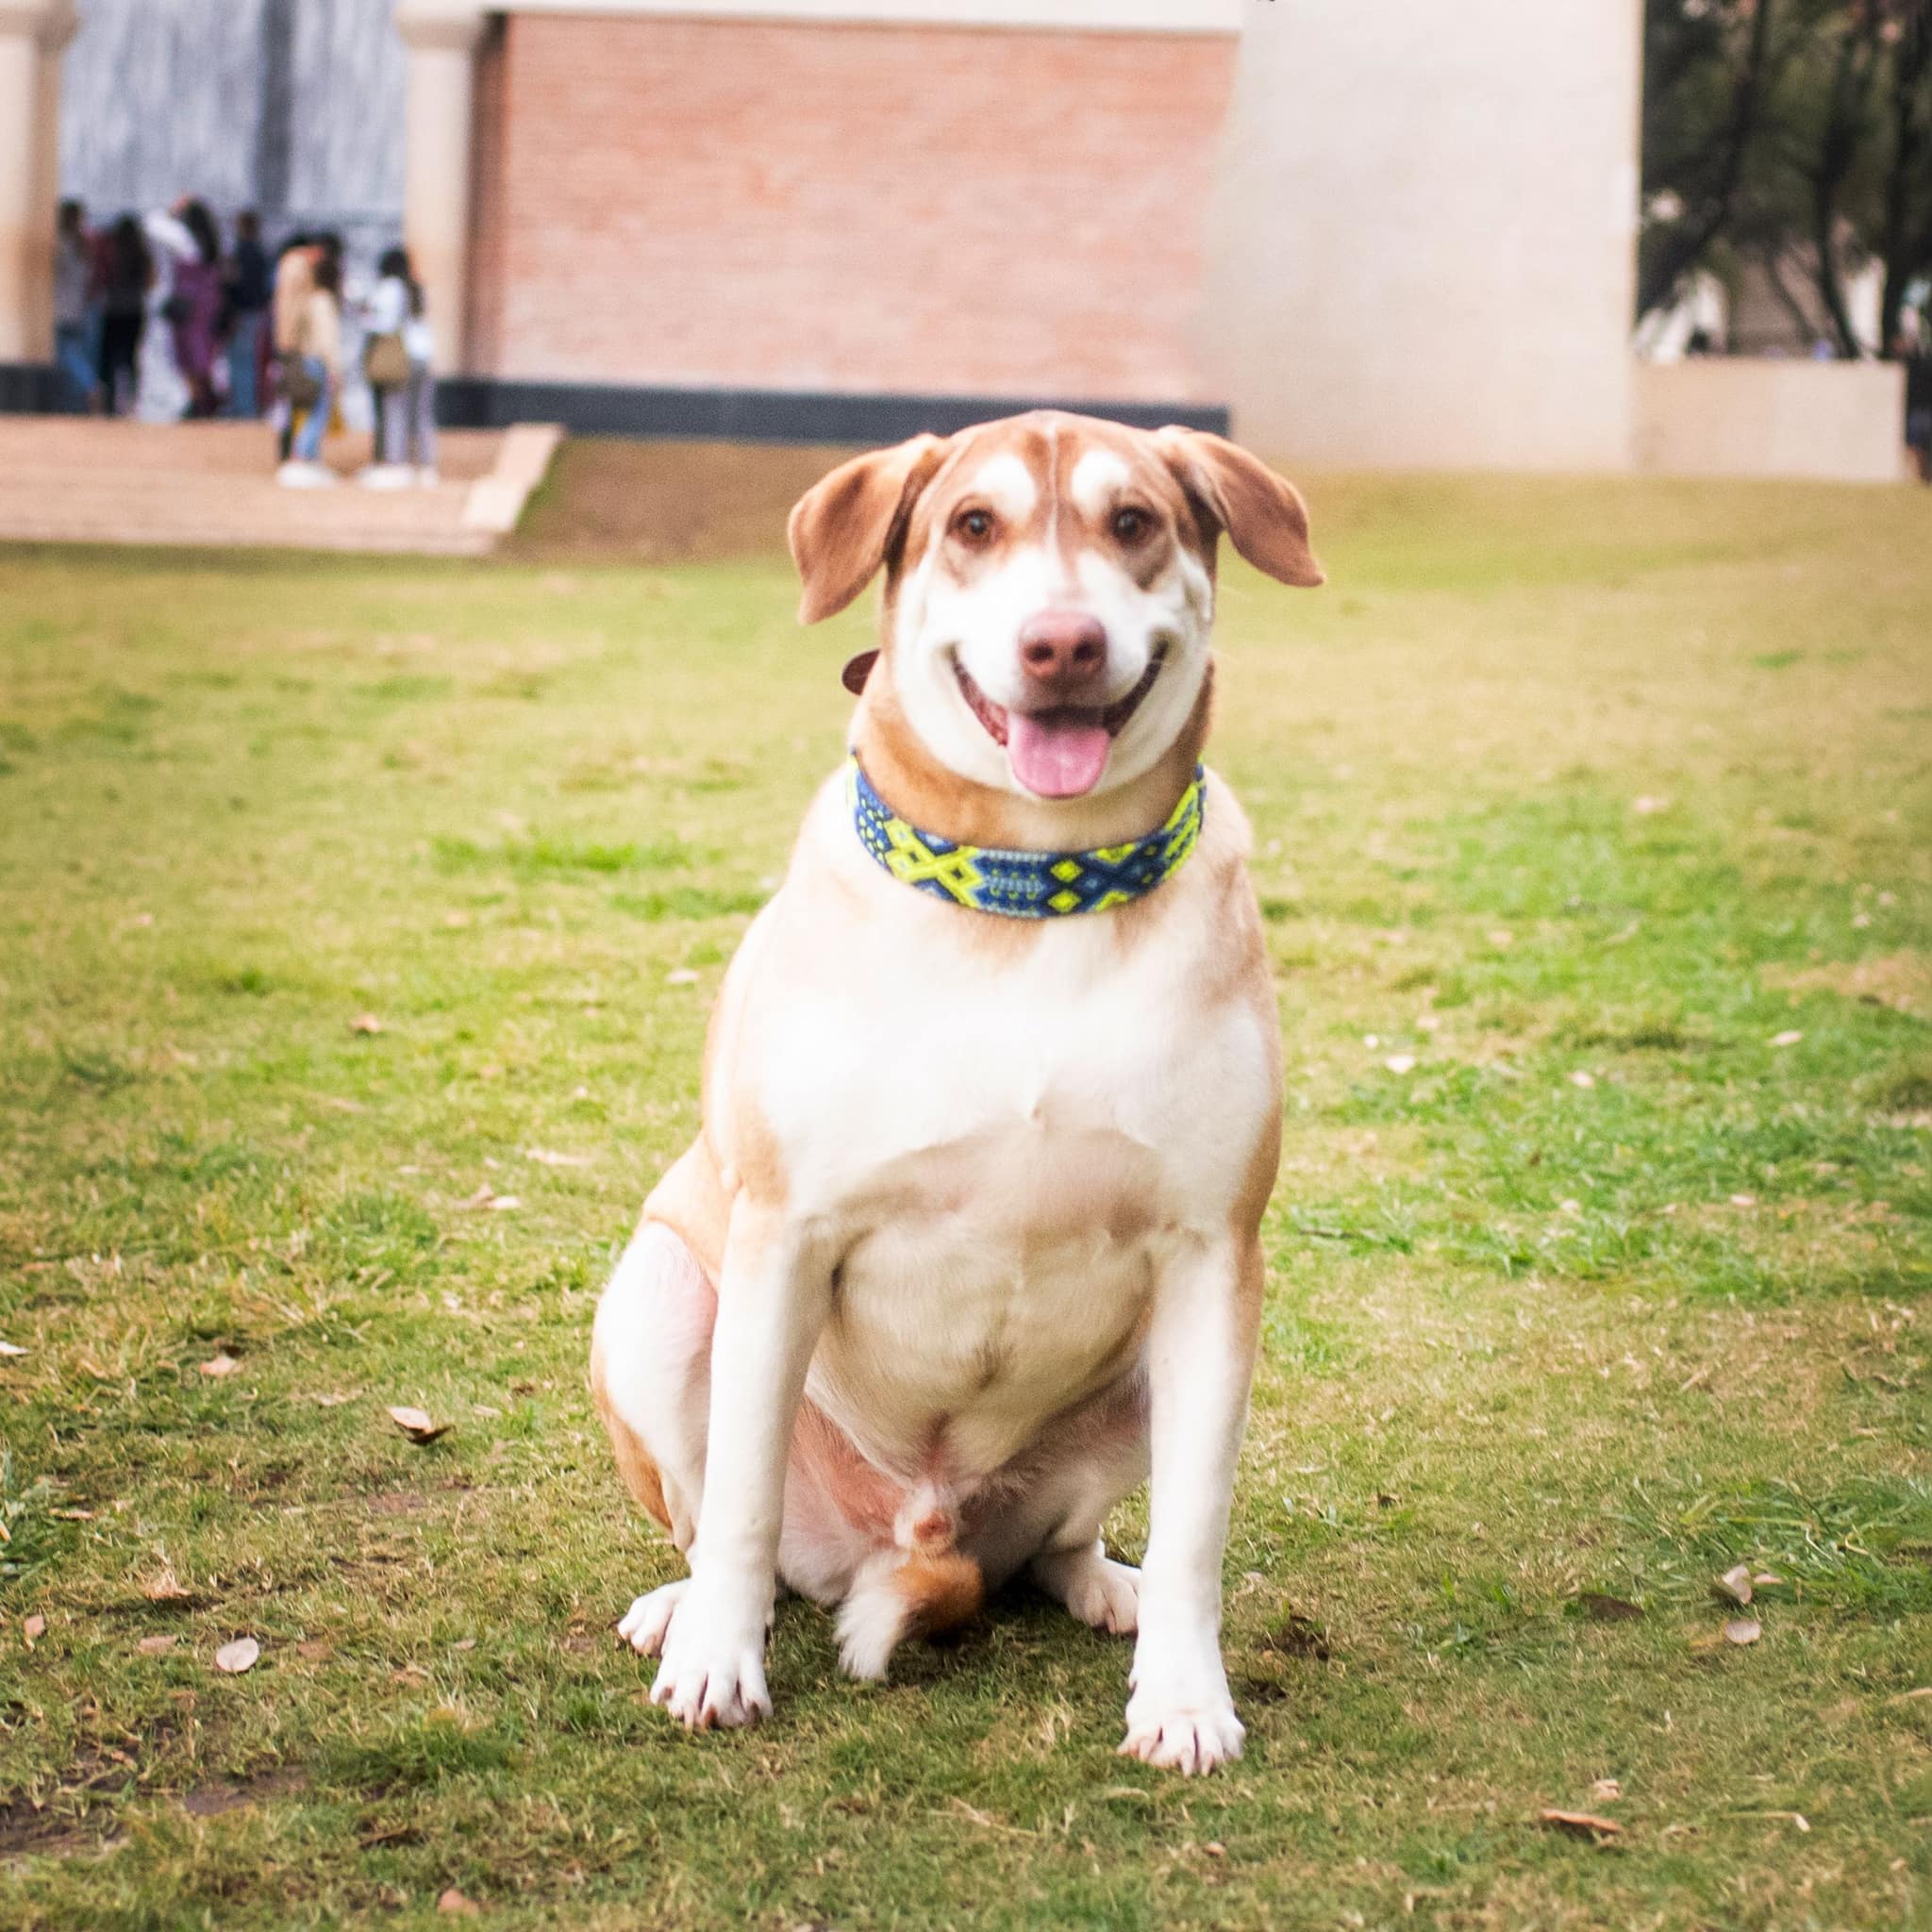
{"points": [[969, 1242]]}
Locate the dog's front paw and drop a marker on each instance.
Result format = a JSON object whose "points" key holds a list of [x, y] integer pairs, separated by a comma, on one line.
{"points": [[647, 1623], [1182, 1720], [713, 1668]]}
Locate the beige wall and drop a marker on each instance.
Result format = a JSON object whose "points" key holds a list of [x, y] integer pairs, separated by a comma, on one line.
{"points": [[1740, 416], [32, 33], [1422, 242]]}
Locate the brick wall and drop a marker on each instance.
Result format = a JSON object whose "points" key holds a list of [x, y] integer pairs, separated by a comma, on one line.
{"points": [[688, 202]]}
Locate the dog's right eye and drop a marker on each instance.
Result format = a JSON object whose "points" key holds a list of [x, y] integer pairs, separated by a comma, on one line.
{"points": [[975, 526]]}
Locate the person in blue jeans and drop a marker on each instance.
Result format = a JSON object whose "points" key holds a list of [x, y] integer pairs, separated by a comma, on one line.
{"points": [[247, 285], [73, 323], [318, 351]]}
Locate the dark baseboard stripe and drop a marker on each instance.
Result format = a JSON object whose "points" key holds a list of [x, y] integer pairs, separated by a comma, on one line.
{"points": [[751, 415], [30, 388]]}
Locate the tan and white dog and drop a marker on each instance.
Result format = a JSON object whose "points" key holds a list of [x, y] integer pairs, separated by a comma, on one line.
{"points": [[970, 1236]]}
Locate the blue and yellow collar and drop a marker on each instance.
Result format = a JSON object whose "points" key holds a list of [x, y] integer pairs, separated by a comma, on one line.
{"points": [[1025, 885]]}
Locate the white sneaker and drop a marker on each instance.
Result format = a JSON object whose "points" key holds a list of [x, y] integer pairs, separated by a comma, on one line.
{"points": [[300, 475], [385, 476]]}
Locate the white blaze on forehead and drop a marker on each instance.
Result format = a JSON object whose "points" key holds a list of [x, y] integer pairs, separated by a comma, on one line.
{"points": [[1098, 478], [1008, 484]]}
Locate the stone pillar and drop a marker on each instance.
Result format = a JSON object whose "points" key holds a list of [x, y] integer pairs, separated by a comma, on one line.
{"points": [[441, 36], [1422, 242], [32, 34]]}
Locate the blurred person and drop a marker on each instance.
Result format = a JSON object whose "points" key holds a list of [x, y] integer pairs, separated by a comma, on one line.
{"points": [[74, 348], [164, 395], [314, 367], [294, 282], [396, 362], [247, 289], [195, 313], [1914, 352], [128, 276]]}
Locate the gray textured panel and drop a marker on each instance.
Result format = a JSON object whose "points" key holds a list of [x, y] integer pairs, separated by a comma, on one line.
{"points": [[165, 97], [348, 111]]}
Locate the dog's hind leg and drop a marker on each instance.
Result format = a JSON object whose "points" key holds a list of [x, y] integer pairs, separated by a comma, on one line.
{"points": [[651, 1376], [1087, 1463]]}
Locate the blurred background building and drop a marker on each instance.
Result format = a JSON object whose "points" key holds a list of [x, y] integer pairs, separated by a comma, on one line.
{"points": [[1367, 235]]}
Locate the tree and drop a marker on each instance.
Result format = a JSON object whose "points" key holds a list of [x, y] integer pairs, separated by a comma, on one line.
{"points": [[1794, 133]]}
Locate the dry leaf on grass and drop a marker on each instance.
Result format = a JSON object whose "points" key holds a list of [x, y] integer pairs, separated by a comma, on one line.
{"points": [[233, 1658], [1789, 1038], [487, 1197], [1607, 1790], [1583, 1822], [220, 1365], [1579, 1079], [33, 1630], [452, 1901], [1735, 1583], [12, 1348], [154, 1646], [417, 1424], [548, 1157], [365, 1023], [165, 1587], [683, 977], [1742, 1630], [1400, 1063]]}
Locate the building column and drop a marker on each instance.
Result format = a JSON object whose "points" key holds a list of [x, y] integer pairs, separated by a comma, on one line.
{"points": [[32, 34], [441, 36]]}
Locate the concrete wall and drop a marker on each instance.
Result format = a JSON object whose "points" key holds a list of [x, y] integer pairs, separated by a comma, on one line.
{"points": [[1737, 416], [291, 106], [858, 207], [1422, 244]]}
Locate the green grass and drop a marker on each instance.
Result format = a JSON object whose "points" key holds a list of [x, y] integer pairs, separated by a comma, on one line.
{"points": [[1579, 796]]}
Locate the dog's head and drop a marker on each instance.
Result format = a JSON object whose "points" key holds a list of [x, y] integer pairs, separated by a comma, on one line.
{"points": [[1049, 587]]}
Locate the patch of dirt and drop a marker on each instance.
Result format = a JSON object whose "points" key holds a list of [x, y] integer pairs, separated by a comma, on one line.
{"points": [[610, 500], [1900, 980], [1298, 1636], [212, 1800], [397, 1502]]}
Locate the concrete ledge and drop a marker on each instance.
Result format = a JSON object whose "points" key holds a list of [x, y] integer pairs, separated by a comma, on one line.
{"points": [[744, 415], [497, 501], [1066, 16], [1751, 416]]}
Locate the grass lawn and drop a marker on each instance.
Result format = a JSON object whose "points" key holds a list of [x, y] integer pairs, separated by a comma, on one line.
{"points": [[358, 924]]}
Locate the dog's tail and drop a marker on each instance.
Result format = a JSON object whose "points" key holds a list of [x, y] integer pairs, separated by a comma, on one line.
{"points": [[921, 1585]]}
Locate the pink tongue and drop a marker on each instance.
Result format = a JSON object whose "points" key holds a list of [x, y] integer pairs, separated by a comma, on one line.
{"points": [[1057, 756]]}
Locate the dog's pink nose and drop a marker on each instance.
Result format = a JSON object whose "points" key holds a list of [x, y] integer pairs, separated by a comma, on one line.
{"points": [[1062, 647]]}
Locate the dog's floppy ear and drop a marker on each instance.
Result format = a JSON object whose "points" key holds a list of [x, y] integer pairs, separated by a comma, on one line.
{"points": [[1263, 515], [843, 528]]}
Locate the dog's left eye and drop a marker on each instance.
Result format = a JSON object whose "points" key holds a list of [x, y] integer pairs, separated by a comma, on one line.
{"points": [[1131, 524], [975, 526]]}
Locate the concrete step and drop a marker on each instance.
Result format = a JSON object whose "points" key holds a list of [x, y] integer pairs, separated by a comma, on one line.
{"points": [[75, 480]]}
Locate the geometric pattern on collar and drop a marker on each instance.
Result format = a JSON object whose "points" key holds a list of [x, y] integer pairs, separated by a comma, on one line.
{"points": [[1025, 885]]}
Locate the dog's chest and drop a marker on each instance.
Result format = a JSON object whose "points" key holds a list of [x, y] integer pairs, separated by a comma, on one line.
{"points": [[998, 1157]]}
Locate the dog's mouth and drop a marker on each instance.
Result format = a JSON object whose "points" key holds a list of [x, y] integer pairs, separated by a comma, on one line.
{"points": [[1059, 753]]}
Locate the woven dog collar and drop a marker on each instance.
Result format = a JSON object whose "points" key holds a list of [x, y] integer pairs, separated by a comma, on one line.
{"points": [[1025, 885]]}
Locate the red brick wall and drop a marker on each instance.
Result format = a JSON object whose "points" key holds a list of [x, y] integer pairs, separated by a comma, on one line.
{"points": [[846, 208], [488, 228]]}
